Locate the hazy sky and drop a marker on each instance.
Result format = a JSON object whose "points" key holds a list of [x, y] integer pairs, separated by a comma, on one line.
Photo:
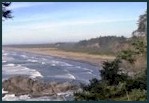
{"points": [[47, 22]]}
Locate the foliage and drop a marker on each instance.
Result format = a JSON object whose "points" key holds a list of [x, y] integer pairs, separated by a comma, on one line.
{"points": [[105, 44], [134, 95], [108, 45], [127, 55], [6, 13], [139, 46], [111, 72], [100, 91], [116, 85], [139, 82], [142, 26], [142, 22]]}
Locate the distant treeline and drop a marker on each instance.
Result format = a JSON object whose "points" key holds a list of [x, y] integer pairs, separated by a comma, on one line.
{"points": [[100, 45]]}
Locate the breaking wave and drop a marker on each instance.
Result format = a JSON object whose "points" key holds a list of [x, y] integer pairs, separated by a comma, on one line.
{"points": [[11, 69]]}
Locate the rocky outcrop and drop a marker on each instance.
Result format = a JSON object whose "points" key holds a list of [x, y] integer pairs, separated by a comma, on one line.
{"points": [[21, 85]]}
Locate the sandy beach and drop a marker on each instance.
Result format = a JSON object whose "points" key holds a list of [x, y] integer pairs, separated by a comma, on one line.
{"points": [[94, 59]]}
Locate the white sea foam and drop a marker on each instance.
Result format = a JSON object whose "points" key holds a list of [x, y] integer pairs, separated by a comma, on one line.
{"points": [[5, 54], [67, 64], [65, 76], [60, 63], [36, 74], [24, 56], [43, 63], [77, 66], [9, 97], [90, 73], [4, 79], [30, 60], [85, 80], [71, 76], [5, 58], [20, 70], [4, 61], [44, 99], [53, 64], [68, 93], [43, 59], [85, 69], [3, 92], [18, 65], [10, 65], [12, 97]]}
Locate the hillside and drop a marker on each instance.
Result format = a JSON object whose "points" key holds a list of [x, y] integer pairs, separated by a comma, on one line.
{"points": [[116, 81], [106, 45]]}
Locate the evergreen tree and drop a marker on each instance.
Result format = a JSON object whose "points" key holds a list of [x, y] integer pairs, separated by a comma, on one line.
{"points": [[6, 13], [114, 84]]}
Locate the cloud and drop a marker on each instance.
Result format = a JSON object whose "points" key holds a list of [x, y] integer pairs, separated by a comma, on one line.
{"points": [[59, 24], [45, 32], [18, 5]]}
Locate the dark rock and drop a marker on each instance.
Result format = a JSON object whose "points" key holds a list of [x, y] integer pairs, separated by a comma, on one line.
{"points": [[21, 85]]}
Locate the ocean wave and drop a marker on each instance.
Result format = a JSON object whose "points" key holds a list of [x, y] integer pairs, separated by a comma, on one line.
{"points": [[71, 76], [4, 61], [36, 74], [5, 54], [67, 76], [10, 65], [90, 73], [43, 63], [24, 56], [77, 67], [67, 64], [4, 92], [12, 97], [64, 76], [43, 59], [53, 64], [60, 63], [30, 60], [20, 70], [6, 58], [68, 93], [45, 98], [86, 69]]}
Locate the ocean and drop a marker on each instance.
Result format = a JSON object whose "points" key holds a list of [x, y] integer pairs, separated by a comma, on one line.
{"points": [[45, 68]]}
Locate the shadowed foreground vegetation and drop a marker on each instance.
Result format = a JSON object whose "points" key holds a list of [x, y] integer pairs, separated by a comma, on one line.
{"points": [[116, 82]]}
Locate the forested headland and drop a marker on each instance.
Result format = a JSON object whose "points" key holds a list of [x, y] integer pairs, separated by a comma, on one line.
{"points": [[116, 82]]}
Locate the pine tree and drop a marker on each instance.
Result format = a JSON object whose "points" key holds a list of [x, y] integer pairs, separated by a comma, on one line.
{"points": [[6, 13]]}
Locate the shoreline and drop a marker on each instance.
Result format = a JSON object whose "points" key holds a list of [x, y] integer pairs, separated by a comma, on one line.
{"points": [[76, 56]]}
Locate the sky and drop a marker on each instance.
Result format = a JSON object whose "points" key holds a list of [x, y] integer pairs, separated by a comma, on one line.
{"points": [[50, 22]]}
